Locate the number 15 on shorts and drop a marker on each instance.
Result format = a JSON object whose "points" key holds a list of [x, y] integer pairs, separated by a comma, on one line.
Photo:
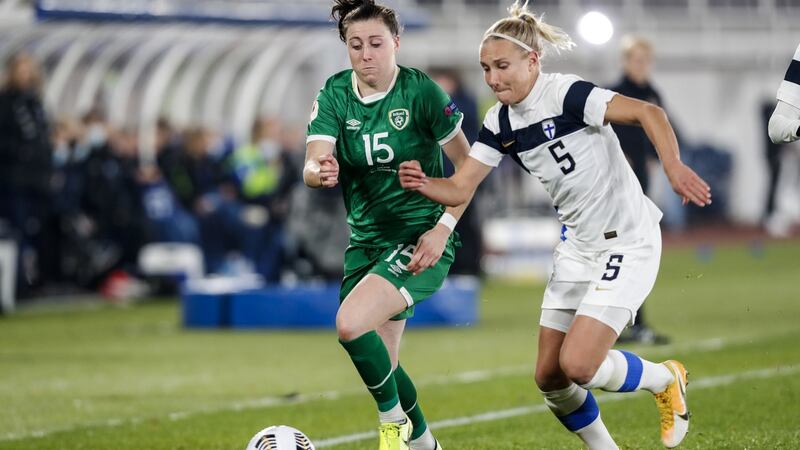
{"points": [[395, 265]]}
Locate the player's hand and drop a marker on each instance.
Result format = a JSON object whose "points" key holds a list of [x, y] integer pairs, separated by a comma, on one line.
{"points": [[412, 177], [686, 183], [328, 170], [430, 247]]}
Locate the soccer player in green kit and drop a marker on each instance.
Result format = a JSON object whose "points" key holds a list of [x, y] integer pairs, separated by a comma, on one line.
{"points": [[364, 123]]}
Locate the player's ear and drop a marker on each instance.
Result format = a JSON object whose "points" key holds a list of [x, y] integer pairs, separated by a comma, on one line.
{"points": [[396, 41], [533, 60]]}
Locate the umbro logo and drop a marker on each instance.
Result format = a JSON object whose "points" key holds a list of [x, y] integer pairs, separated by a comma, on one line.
{"points": [[353, 124]]}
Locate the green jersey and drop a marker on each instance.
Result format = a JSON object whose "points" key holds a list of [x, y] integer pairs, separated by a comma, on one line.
{"points": [[373, 135]]}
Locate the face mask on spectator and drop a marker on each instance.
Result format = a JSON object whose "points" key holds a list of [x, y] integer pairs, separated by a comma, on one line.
{"points": [[81, 151], [96, 135], [60, 154]]}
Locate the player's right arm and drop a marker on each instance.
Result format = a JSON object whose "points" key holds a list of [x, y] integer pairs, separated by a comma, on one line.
{"points": [[451, 191], [321, 168]]}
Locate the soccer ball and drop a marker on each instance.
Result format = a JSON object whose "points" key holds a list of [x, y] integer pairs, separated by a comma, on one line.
{"points": [[280, 437]]}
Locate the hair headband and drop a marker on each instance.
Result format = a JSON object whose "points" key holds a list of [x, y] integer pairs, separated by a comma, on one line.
{"points": [[509, 38]]}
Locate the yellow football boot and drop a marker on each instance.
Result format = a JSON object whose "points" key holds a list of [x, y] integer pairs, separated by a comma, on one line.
{"points": [[395, 435], [672, 406]]}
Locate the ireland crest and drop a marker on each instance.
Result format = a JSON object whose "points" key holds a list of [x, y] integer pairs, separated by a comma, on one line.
{"points": [[398, 118]]}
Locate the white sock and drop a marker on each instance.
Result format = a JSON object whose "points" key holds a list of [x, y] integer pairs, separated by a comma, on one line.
{"points": [[577, 410], [623, 371], [655, 377], [395, 414], [596, 436], [424, 442]]}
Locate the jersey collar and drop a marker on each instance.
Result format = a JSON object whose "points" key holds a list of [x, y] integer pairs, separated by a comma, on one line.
{"points": [[376, 96], [533, 96]]}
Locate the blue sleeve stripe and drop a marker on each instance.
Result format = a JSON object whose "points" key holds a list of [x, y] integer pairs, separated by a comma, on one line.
{"points": [[563, 232], [575, 100], [634, 375], [485, 136], [793, 72], [583, 416]]}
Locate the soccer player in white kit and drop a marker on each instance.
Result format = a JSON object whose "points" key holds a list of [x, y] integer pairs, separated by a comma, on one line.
{"points": [[784, 124], [556, 127]]}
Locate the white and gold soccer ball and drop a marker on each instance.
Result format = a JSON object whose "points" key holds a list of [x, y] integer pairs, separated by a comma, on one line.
{"points": [[280, 437]]}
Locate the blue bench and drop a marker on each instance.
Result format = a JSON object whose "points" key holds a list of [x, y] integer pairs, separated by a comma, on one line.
{"points": [[314, 306]]}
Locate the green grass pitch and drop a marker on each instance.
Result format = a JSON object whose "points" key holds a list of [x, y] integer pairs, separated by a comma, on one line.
{"points": [[102, 377]]}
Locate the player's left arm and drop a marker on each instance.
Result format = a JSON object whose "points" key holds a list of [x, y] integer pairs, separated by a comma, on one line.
{"points": [[784, 123], [431, 245], [685, 182]]}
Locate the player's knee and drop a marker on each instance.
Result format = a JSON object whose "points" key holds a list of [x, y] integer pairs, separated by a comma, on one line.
{"points": [[549, 378], [580, 372], [348, 328]]}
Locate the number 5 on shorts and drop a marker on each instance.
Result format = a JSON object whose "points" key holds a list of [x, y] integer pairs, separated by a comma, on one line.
{"points": [[612, 271]]}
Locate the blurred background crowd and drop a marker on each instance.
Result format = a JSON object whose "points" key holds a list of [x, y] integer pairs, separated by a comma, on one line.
{"points": [[76, 196]]}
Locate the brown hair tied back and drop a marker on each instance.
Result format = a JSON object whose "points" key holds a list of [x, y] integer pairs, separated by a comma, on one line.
{"points": [[345, 12]]}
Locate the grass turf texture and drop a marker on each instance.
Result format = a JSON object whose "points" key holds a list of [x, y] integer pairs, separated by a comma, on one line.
{"points": [[130, 378]]}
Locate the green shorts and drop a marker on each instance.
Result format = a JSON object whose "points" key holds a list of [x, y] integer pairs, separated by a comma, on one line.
{"points": [[389, 263]]}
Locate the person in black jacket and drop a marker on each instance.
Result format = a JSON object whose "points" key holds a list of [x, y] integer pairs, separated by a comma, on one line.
{"points": [[637, 61], [25, 163], [637, 55]]}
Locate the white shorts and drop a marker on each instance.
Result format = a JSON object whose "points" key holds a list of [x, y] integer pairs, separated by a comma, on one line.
{"points": [[584, 282], [561, 319]]}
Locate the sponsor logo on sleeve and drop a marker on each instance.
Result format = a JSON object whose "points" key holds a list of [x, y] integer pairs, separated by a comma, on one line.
{"points": [[451, 109]]}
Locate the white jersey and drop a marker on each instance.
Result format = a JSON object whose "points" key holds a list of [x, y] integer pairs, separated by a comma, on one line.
{"points": [[789, 90], [557, 133]]}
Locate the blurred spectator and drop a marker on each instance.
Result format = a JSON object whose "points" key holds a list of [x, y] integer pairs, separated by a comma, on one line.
{"points": [[168, 219], [67, 183], [468, 257], [264, 175], [25, 164], [637, 62], [196, 176], [110, 201]]}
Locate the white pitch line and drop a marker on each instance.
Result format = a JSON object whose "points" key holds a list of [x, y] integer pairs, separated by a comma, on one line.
{"points": [[703, 383], [467, 377]]}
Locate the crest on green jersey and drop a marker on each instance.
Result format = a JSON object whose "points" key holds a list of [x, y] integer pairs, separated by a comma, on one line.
{"points": [[398, 118]]}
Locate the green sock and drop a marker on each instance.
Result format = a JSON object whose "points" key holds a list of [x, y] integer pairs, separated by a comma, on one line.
{"points": [[408, 400], [372, 361]]}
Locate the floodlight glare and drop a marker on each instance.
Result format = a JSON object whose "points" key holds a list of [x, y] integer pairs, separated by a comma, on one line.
{"points": [[595, 28]]}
